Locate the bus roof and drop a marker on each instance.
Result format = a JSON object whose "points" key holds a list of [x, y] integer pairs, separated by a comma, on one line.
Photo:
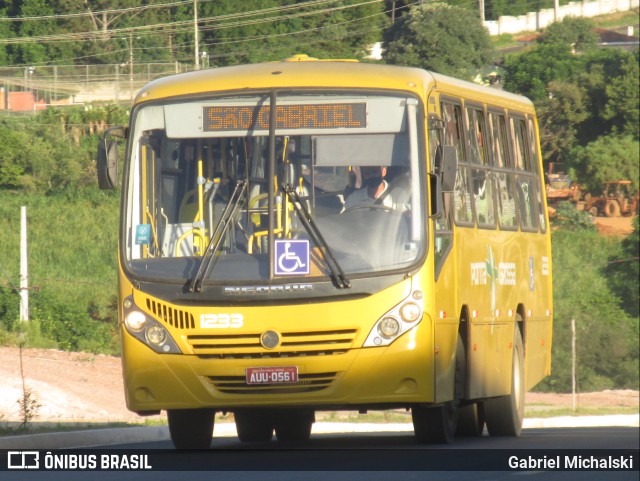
{"points": [[305, 72]]}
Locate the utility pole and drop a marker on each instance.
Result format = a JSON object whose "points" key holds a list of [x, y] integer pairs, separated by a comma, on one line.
{"points": [[131, 64], [573, 363], [481, 2], [195, 33], [24, 273]]}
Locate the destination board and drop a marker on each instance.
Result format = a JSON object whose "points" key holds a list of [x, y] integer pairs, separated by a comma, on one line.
{"points": [[307, 116]]}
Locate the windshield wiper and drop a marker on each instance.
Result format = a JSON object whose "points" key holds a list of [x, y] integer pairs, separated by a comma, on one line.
{"points": [[229, 213], [337, 274]]}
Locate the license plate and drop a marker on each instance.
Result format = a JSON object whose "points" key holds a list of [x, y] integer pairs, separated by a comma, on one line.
{"points": [[272, 375]]}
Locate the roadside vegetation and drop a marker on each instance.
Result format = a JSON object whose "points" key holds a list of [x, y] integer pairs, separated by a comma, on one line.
{"points": [[588, 106]]}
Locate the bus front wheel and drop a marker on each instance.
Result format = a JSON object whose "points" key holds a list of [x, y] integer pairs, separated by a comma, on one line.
{"points": [[191, 428], [254, 425], [504, 414], [435, 425], [438, 424]]}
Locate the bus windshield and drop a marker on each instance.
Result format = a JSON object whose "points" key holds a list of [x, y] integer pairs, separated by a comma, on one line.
{"points": [[226, 189]]}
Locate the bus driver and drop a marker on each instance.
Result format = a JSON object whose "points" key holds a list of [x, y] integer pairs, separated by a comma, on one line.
{"points": [[373, 191]]}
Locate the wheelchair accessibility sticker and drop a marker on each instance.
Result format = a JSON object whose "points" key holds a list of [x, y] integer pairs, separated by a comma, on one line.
{"points": [[292, 257]]}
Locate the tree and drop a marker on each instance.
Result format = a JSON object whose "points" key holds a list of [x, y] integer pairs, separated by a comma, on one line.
{"points": [[560, 114], [622, 96], [611, 157], [438, 37], [624, 271], [257, 30], [607, 346], [530, 72], [576, 32]]}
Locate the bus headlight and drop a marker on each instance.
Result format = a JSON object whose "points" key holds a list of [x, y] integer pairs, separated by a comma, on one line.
{"points": [[156, 335], [410, 311], [148, 330], [135, 321], [389, 327], [397, 321]]}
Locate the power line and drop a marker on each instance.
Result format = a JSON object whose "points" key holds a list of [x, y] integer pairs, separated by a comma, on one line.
{"points": [[98, 12], [209, 23]]}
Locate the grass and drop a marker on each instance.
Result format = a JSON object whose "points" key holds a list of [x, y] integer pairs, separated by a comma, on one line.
{"points": [[619, 20], [13, 428], [552, 412]]}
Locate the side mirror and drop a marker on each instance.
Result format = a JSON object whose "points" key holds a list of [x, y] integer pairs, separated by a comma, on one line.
{"points": [[107, 159], [437, 203]]}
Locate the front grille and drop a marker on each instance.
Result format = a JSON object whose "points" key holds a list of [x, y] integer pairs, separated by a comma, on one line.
{"points": [[306, 383], [293, 344], [174, 317]]}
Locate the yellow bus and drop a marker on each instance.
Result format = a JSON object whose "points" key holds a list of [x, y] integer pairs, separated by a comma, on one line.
{"points": [[312, 235]]}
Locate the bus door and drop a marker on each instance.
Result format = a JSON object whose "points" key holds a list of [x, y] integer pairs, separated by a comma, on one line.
{"points": [[442, 136]]}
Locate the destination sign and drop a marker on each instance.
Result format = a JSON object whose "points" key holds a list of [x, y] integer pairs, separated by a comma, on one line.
{"points": [[307, 116]]}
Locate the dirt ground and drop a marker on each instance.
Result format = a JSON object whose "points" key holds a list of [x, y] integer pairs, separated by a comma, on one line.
{"points": [[87, 388], [614, 226]]}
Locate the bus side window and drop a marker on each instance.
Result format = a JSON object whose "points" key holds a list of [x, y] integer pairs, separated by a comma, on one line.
{"points": [[479, 153], [499, 140], [483, 197], [521, 145], [463, 212], [452, 116], [506, 200], [526, 203]]}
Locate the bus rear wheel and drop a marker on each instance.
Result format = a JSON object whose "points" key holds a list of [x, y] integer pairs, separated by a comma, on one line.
{"points": [[504, 414], [191, 428], [254, 425], [470, 420]]}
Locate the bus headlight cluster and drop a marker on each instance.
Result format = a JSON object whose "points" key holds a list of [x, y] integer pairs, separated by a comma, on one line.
{"points": [[397, 321], [148, 330]]}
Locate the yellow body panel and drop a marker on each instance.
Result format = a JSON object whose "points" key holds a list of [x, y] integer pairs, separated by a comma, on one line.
{"points": [[401, 373]]}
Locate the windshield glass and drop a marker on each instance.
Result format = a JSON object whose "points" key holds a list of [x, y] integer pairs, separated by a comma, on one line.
{"points": [[327, 186]]}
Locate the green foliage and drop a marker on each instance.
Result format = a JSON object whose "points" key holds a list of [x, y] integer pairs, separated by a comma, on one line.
{"points": [[624, 271], [575, 32], [587, 103], [560, 117], [70, 325], [271, 31], [55, 149], [72, 267], [607, 158], [530, 72], [569, 218], [438, 37], [606, 337], [621, 92]]}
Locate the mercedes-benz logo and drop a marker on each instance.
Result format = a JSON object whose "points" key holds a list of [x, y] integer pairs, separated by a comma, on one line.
{"points": [[270, 339]]}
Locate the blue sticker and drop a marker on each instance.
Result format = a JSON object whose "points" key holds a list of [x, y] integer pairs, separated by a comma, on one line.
{"points": [[143, 234], [292, 257]]}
